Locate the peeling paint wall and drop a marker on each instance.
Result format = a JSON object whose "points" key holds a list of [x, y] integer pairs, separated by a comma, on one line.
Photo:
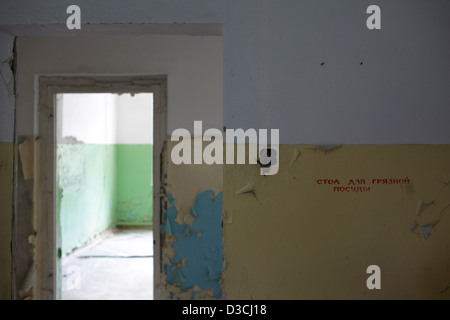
{"points": [[7, 155], [86, 168], [86, 193], [196, 265], [193, 66], [7, 87], [311, 230], [313, 70], [24, 266], [6, 197], [192, 253]]}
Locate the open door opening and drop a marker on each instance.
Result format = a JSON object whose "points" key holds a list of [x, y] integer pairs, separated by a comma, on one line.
{"points": [[98, 186], [104, 202]]}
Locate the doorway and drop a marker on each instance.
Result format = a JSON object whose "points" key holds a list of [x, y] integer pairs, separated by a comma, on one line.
{"points": [[104, 195], [103, 143]]}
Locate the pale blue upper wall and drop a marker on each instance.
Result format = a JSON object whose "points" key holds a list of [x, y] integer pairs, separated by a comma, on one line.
{"points": [[400, 94], [114, 11], [273, 50]]}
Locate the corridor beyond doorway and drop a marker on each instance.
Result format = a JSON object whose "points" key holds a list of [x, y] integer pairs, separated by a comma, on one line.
{"points": [[116, 266], [104, 175]]}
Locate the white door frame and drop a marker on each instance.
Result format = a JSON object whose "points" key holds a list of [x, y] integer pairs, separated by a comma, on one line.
{"points": [[45, 194]]}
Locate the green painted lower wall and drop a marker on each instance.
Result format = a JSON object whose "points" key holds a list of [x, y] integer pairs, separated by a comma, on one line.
{"points": [[134, 193], [99, 187], [6, 196], [86, 192]]}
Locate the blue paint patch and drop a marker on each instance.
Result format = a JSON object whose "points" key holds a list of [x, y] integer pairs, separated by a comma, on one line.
{"points": [[171, 199], [169, 273], [423, 208], [186, 230], [178, 277], [204, 255], [426, 230], [166, 227]]}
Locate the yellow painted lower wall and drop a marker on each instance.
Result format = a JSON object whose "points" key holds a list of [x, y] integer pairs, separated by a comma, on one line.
{"points": [[311, 230], [6, 190]]}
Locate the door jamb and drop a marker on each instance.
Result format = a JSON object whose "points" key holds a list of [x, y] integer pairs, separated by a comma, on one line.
{"points": [[44, 209]]}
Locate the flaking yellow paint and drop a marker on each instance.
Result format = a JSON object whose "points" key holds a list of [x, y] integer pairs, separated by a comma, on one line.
{"points": [[297, 239], [6, 199], [185, 182]]}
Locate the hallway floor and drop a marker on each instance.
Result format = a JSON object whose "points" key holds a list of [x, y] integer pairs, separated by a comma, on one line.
{"points": [[118, 266]]}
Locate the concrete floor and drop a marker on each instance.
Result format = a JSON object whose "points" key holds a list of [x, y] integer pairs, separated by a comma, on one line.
{"points": [[117, 266]]}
